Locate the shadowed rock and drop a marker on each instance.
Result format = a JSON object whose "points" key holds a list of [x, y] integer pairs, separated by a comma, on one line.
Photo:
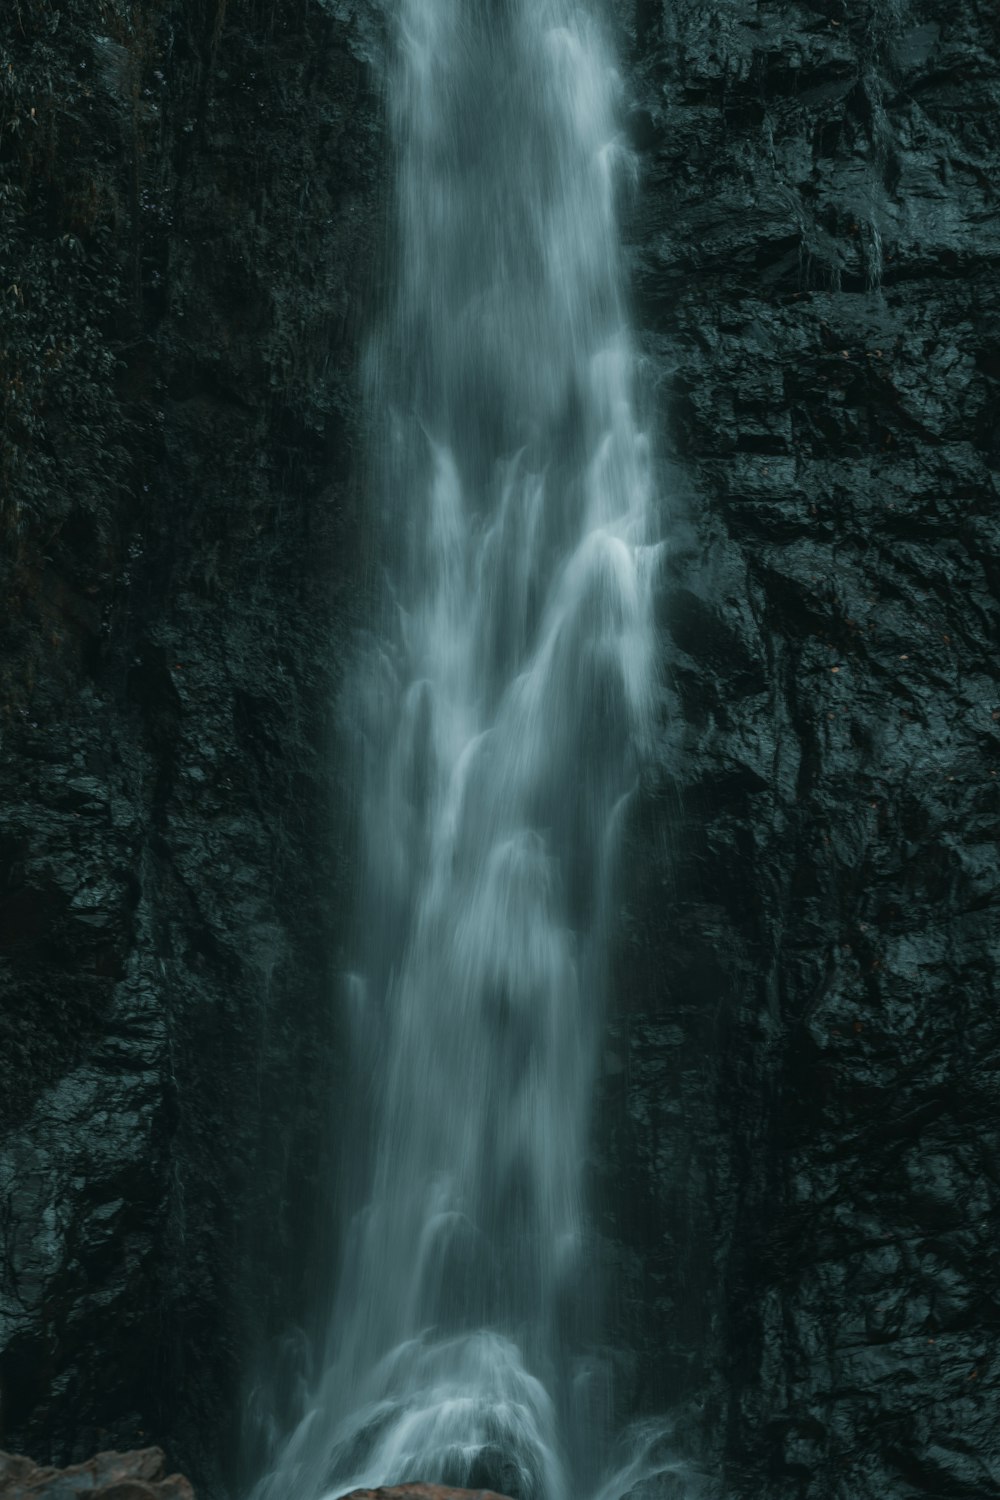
{"points": [[107, 1476]]}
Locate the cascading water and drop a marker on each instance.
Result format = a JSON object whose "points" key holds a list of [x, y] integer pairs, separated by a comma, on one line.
{"points": [[504, 715]]}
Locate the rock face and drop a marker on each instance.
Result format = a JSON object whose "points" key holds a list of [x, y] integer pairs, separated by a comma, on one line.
{"points": [[797, 1135], [188, 217], [108, 1476], [802, 1098]]}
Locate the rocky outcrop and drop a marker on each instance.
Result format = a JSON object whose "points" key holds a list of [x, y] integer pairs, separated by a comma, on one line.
{"points": [[801, 1097], [189, 210], [108, 1476], [422, 1492]]}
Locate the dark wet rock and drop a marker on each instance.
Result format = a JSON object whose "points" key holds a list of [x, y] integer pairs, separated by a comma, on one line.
{"points": [[801, 1099], [189, 210], [107, 1476]]}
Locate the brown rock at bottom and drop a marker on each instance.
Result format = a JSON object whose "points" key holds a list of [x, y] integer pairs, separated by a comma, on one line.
{"points": [[106, 1476], [423, 1492]]}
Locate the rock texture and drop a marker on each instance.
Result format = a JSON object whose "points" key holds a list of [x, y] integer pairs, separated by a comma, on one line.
{"points": [[803, 1099], [189, 208], [108, 1476], [797, 1142], [422, 1492]]}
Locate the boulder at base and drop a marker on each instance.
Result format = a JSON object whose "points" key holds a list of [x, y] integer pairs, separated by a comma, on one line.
{"points": [[108, 1476], [421, 1492]]}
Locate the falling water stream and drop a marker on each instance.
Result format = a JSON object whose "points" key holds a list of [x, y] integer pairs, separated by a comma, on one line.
{"points": [[505, 711]]}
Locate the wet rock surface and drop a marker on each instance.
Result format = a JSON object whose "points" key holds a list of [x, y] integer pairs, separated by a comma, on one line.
{"points": [[108, 1476], [802, 1095], [422, 1492], [799, 1104], [189, 210]]}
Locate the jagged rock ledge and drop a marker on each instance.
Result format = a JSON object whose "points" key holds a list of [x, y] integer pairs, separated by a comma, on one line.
{"points": [[107, 1476]]}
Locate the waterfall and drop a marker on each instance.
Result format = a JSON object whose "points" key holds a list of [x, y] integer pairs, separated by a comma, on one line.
{"points": [[504, 712]]}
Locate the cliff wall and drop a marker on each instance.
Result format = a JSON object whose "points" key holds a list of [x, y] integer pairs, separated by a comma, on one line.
{"points": [[802, 1097], [188, 235]]}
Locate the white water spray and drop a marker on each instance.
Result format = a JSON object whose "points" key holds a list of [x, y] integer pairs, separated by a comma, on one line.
{"points": [[504, 715]]}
